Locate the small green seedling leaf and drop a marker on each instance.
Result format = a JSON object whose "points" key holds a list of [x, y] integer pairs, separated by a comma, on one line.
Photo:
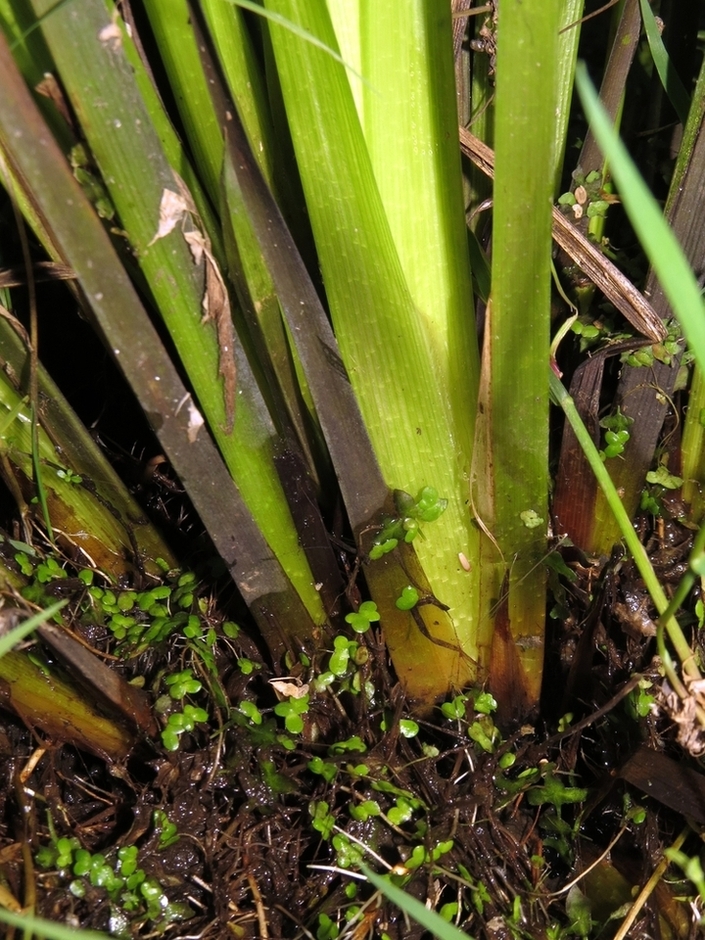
{"points": [[484, 733], [408, 728], [349, 854], [361, 619], [662, 477], [554, 791], [401, 812], [641, 700], [578, 909], [362, 811], [485, 703], [340, 657], [182, 683], [165, 828], [355, 743], [291, 711], [408, 599], [323, 819], [324, 768], [327, 928], [531, 519], [250, 711], [454, 710]]}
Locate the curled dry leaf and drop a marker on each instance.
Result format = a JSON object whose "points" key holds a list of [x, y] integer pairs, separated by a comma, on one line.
{"points": [[195, 418], [174, 209], [289, 687], [686, 713], [216, 307], [195, 422]]}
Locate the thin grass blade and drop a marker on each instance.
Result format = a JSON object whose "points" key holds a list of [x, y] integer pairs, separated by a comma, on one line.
{"points": [[667, 73]]}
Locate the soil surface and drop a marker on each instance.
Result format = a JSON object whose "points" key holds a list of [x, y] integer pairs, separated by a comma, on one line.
{"points": [[255, 824]]}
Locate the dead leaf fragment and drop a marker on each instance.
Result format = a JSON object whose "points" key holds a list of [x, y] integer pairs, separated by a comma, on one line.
{"points": [[172, 211], [195, 422], [50, 88], [216, 308], [111, 35], [289, 688]]}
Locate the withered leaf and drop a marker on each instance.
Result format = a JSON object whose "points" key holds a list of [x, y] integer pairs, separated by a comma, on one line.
{"points": [[216, 307], [174, 209]]}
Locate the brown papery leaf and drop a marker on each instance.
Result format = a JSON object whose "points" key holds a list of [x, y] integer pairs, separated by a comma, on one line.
{"points": [[173, 210], [216, 307]]}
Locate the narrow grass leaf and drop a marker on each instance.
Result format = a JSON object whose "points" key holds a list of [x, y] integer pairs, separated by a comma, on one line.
{"points": [[244, 77], [518, 325], [629, 534], [171, 26], [137, 172], [11, 639], [48, 928], [428, 919], [409, 127], [666, 71], [568, 39], [367, 497], [363, 486], [386, 348], [295, 28], [648, 403]]}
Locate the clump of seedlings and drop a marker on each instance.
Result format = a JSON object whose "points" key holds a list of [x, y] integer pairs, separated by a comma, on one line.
{"points": [[415, 796], [135, 899]]}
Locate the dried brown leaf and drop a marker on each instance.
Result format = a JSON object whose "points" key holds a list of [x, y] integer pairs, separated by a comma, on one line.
{"points": [[216, 308], [174, 209]]}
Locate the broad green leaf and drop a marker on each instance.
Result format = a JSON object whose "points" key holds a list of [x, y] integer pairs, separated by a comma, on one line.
{"points": [[400, 381], [136, 169], [518, 325], [141, 355]]}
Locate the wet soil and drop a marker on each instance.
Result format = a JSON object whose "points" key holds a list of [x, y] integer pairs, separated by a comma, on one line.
{"points": [[491, 827]]}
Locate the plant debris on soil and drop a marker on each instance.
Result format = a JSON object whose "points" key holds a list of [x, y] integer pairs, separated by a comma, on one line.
{"points": [[247, 808]]}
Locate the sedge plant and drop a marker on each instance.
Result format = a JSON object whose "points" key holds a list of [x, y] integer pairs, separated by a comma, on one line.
{"points": [[386, 212], [447, 483], [386, 217]]}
